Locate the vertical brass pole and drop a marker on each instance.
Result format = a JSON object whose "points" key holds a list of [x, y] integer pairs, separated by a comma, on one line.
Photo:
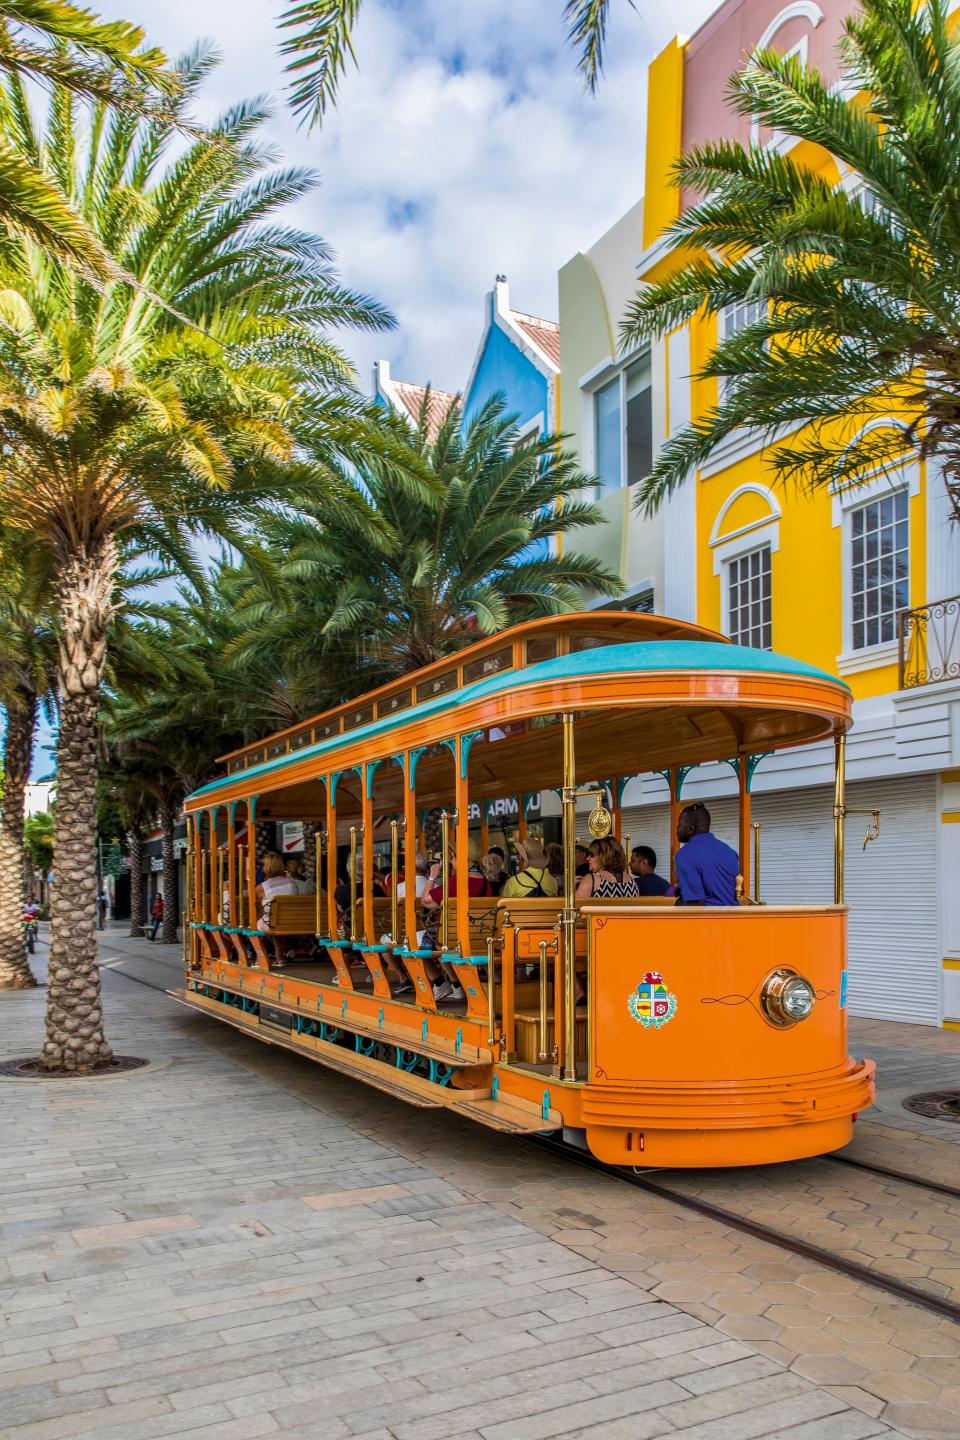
{"points": [[218, 909], [394, 882], [755, 827], [839, 811], [569, 908], [625, 842], [445, 880], [318, 871], [543, 1055], [353, 884], [492, 996]]}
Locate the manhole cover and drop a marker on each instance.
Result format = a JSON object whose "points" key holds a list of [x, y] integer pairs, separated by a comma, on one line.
{"points": [[935, 1104], [29, 1068]]}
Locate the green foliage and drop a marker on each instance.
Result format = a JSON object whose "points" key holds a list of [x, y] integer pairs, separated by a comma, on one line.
{"points": [[317, 41], [430, 540], [169, 407], [61, 46], [863, 280], [38, 839]]}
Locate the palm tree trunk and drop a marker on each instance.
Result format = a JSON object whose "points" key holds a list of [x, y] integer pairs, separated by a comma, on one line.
{"points": [[15, 972], [168, 935], [75, 1039], [135, 841]]}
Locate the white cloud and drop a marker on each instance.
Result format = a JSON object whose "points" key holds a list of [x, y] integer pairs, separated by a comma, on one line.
{"points": [[463, 146]]}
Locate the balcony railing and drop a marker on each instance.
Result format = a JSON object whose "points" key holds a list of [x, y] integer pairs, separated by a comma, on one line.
{"points": [[930, 643]]}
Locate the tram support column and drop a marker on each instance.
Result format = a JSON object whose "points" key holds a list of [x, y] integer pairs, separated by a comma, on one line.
{"points": [[743, 787], [462, 862], [839, 811], [366, 830], [569, 908], [411, 843], [251, 918], [213, 916], [675, 807], [231, 915]]}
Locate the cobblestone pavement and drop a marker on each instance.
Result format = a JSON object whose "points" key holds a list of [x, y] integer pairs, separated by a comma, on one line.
{"points": [[235, 1243]]}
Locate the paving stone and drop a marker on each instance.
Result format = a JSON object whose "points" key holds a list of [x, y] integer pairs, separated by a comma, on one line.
{"points": [[172, 1258]]}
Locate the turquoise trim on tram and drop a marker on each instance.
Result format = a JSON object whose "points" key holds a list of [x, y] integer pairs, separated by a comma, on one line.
{"points": [[643, 657]]}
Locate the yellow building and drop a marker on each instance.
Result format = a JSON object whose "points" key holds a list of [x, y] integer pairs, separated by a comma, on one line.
{"points": [[861, 583]]}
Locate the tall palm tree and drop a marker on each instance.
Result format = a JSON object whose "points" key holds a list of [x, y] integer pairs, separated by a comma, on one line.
{"points": [[862, 280], [27, 665], [51, 42], [318, 42], [149, 411], [430, 539]]}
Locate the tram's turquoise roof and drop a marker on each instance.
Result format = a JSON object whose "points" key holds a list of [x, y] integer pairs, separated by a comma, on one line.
{"points": [[639, 657]]}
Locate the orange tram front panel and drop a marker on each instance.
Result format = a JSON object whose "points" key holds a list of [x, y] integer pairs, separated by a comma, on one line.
{"points": [[685, 1066]]}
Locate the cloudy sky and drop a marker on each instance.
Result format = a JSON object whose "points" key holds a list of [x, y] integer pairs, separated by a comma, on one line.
{"points": [[463, 146]]}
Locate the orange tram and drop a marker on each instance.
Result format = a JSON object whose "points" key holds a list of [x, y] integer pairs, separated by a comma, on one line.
{"points": [[709, 1036]]}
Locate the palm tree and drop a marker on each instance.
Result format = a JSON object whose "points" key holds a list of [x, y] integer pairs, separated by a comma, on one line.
{"points": [[862, 280], [427, 541], [27, 664], [149, 411], [319, 44], [55, 43]]}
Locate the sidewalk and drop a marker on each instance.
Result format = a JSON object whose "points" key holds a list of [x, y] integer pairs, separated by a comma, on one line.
{"points": [[234, 1243]]}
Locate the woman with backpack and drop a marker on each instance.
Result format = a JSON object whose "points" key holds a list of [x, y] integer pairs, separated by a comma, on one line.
{"points": [[533, 880]]}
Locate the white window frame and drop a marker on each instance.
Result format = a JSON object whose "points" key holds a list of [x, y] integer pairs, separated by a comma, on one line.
{"points": [[733, 558], [752, 308], [590, 385], [729, 545], [845, 502]]}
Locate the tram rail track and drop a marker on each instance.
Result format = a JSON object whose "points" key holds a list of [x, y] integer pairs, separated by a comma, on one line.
{"points": [[781, 1240]]}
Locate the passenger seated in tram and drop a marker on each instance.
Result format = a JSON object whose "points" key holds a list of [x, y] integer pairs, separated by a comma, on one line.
{"points": [[706, 867], [581, 860], [296, 872], [493, 868], [533, 879], [275, 882], [609, 877], [422, 866], [643, 867], [554, 854]]}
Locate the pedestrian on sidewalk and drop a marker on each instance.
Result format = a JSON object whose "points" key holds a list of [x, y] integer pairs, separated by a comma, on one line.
{"points": [[156, 914], [102, 904]]}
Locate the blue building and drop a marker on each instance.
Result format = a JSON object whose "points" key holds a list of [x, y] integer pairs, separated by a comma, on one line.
{"points": [[518, 357]]}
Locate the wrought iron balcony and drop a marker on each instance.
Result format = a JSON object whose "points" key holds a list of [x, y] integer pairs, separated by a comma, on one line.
{"points": [[930, 643]]}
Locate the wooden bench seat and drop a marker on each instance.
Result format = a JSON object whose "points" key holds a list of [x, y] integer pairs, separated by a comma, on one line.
{"points": [[296, 914]]}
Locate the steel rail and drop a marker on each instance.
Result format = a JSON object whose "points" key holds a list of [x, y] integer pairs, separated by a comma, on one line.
{"points": [[948, 1309], [950, 1190]]}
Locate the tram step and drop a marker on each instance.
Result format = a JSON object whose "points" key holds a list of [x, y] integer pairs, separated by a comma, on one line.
{"points": [[333, 1056], [435, 1047], [510, 1113], [398, 1083]]}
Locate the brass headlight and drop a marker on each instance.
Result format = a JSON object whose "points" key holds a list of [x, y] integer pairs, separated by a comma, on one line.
{"points": [[786, 997]]}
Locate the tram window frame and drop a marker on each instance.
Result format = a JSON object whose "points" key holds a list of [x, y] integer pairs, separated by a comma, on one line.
{"points": [[486, 665], [437, 685]]}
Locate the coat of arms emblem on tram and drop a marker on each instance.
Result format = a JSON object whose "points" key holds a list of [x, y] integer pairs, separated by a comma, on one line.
{"points": [[652, 1004]]}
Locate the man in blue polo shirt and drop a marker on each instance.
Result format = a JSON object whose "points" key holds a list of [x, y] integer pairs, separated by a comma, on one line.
{"points": [[706, 868]]}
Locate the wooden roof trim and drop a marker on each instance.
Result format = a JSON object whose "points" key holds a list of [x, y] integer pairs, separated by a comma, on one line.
{"points": [[658, 627]]}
